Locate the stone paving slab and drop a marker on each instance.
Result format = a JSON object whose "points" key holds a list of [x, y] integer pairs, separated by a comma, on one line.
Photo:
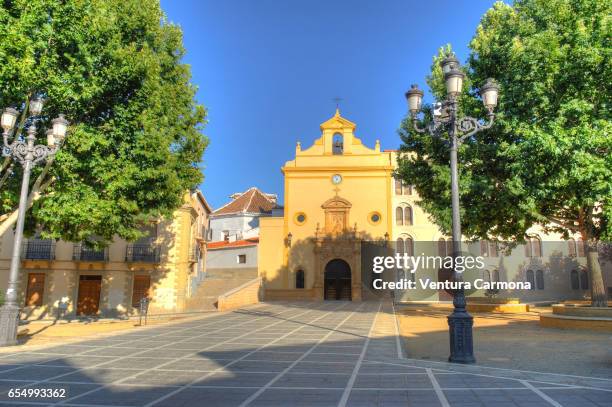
{"points": [[278, 354]]}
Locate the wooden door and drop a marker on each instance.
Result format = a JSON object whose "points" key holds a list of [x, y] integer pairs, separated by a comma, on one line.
{"points": [[345, 289], [142, 283], [89, 295], [36, 289]]}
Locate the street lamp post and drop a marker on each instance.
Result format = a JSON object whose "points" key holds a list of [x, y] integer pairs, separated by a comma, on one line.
{"points": [[445, 118], [23, 149]]}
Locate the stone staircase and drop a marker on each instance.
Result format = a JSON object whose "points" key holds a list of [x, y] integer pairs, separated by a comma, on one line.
{"points": [[205, 296]]}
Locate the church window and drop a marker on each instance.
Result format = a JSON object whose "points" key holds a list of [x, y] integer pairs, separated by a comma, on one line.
{"points": [[408, 215], [571, 248], [575, 280], [584, 279], [488, 248], [409, 246], [299, 279], [540, 279], [402, 188], [338, 144], [398, 186], [399, 216], [533, 247], [531, 279], [374, 217], [399, 245], [300, 218]]}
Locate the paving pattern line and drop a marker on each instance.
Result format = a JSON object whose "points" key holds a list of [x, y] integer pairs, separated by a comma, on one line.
{"points": [[84, 352], [101, 364], [551, 389], [467, 367], [166, 396], [351, 382], [308, 352], [398, 338], [437, 388], [106, 335], [109, 335], [559, 386], [540, 393], [63, 402]]}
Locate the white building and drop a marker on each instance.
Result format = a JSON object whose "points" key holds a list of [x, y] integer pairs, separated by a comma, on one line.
{"points": [[234, 234], [239, 218]]}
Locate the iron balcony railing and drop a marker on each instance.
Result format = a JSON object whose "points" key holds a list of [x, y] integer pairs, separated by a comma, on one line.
{"points": [[194, 254], [85, 253], [39, 249], [145, 253]]}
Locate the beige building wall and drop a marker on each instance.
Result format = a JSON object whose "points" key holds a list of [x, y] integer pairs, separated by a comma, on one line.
{"points": [[176, 242]]}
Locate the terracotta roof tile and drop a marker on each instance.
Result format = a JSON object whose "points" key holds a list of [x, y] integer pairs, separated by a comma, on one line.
{"points": [[238, 243], [251, 201]]}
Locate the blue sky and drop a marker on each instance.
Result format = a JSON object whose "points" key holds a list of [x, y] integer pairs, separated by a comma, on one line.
{"points": [[268, 71]]}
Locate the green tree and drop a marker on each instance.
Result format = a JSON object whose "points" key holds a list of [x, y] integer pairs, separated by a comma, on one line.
{"points": [[547, 161], [114, 68]]}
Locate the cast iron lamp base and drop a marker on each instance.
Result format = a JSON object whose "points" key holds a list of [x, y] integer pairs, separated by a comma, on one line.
{"points": [[460, 331], [9, 321]]}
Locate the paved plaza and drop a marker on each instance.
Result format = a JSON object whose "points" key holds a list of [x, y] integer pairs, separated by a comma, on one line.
{"points": [[277, 354]]}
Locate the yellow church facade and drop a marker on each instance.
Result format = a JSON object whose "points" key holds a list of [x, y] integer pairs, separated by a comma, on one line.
{"points": [[341, 196], [338, 194]]}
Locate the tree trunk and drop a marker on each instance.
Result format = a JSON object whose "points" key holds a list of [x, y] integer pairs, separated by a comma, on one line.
{"points": [[10, 219], [598, 288]]}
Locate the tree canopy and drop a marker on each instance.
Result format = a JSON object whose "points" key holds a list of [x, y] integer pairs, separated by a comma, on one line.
{"points": [[547, 160], [114, 67]]}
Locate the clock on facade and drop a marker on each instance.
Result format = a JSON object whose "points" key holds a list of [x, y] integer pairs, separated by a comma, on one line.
{"points": [[336, 179]]}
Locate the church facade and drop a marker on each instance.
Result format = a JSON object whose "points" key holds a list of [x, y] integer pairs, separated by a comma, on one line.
{"points": [[340, 194]]}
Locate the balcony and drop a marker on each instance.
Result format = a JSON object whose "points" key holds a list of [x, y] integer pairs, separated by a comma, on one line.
{"points": [[142, 253], [85, 253], [194, 254], [39, 249]]}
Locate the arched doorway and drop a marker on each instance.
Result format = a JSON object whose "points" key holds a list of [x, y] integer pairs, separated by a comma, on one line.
{"points": [[337, 280]]}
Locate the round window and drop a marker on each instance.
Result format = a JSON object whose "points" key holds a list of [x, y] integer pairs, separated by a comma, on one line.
{"points": [[374, 217], [300, 218]]}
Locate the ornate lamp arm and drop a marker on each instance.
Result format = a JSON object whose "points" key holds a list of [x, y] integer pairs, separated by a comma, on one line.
{"points": [[23, 151], [468, 126], [430, 128], [415, 125]]}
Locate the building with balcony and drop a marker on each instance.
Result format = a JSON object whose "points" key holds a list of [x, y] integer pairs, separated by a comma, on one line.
{"points": [[166, 265]]}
